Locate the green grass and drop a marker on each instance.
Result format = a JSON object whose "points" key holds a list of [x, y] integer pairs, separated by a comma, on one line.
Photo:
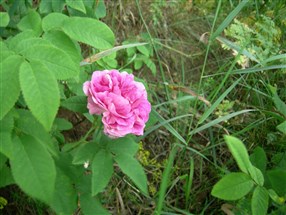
{"points": [[183, 146], [202, 158]]}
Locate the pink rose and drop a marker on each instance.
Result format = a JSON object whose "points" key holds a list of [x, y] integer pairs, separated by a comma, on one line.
{"points": [[122, 101]]}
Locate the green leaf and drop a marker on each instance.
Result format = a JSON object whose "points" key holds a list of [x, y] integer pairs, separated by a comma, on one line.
{"points": [[76, 103], [102, 170], [108, 62], [6, 176], [91, 205], [77, 5], [124, 145], [277, 178], [3, 159], [5, 145], [5, 51], [130, 51], [85, 153], [89, 31], [65, 196], [58, 5], [45, 7], [25, 44], [14, 41], [282, 127], [41, 93], [62, 124], [133, 169], [4, 19], [5, 172], [258, 158], [233, 186], [64, 163], [259, 201], [84, 184], [32, 21], [54, 21], [5, 54], [279, 160], [28, 124], [9, 83], [151, 65], [62, 91], [56, 60], [143, 50], [75, 85], [63, 42], [33, 168], [138, 64], [239, 152], [256, 175], [273, 195], [100, 10], [6, 127], [279, 104]]}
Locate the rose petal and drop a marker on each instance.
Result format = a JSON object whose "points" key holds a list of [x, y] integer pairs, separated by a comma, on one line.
{"points": [[122, 101]]}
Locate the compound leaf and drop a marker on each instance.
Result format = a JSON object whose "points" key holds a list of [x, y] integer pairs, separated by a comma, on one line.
{"points": [[33, 168], [41, 93]]}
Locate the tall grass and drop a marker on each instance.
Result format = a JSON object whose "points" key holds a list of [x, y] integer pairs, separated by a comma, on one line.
{"points": [[195, 152], [199, 94]]}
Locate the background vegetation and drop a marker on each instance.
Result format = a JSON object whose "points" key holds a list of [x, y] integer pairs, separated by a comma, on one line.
{"points": [[212, 68]]}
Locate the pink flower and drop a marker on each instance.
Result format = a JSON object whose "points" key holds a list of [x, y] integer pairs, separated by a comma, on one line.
{"points": [[121, 100]]}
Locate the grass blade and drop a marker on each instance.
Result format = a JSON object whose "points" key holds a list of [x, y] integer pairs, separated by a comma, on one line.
{"points": [[228, 19], [165, 180], [259, 69], [189, 182], [237, 48], [276, 57], [218, 120], [105, 53], [166, 124], [180, 99], [251, 70], [217, 102]]}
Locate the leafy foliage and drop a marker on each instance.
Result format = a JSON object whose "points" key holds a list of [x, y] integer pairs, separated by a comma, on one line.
{"points": [[55, 151], [9, 83], [40, 73], [234, 186], [102, 170], [261, 38], [40, 91], [33, 168], [4, 17]]}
